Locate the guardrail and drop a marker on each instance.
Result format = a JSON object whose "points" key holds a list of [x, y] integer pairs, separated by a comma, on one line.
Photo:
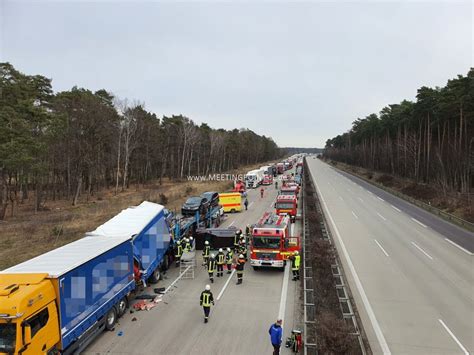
{"points": [[427, 207]]}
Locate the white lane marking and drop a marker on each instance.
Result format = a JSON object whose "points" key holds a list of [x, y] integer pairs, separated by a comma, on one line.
{"points": [[358, 283], [361, 200], [284, 291], [225, 285], [386, 254], [381, 199], [454, 337], [232, 223], [250, 204], [355, 216], [417, 221], [378, 214], [272, 204], [458, 246], [176, 280], [340, 198], [396, 209], [370, 192], [420, 249]]}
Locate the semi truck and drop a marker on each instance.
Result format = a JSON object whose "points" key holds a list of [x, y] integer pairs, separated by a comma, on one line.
{"points": [[253, 178], [280, 168], [60, 301], [271, 243], [287, 205]]}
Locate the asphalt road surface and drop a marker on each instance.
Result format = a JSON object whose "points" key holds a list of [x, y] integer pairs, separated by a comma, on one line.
{"points": [[239, 321], [411, 273]]}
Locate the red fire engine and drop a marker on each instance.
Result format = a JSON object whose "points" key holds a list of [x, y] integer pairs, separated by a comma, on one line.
{"points": [[267, 180], [271, 243], [291, 190], [287, 205]]}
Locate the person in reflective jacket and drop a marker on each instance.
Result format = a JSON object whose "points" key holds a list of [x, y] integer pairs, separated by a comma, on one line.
{"points": [[240, 269], [211, 267], [205, 301], [295, 265], [206, 252], [220, 258], [229, 259], [179, 252]]}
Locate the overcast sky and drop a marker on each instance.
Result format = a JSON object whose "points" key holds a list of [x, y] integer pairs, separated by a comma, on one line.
{"points": [[299, 72]]}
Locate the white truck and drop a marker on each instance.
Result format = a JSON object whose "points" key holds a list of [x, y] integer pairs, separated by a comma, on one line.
{"points": [[253, 178]]}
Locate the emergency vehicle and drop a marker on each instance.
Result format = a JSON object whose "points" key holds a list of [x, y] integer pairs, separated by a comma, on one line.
{"points": [[267, 180], [287, 205], [271, 243], [289, 189]]}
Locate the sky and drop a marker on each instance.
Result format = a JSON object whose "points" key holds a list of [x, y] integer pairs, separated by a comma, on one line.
{"points": [[297, 71]]}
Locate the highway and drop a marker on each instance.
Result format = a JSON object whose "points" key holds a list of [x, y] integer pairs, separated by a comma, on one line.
{"points": [[411, 273], [239, 321]]}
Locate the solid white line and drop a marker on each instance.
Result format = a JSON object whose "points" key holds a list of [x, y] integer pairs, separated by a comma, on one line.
{"points": [[381, 199], [417, 221], [378, 214], [386, 254], [180, 275], [424, 252], [458, 246], [396, 209], [361, 200], [284, 291], [358, 283], [454, 337], [232, 223], [353, 213], [225, 285], [370, 192]]}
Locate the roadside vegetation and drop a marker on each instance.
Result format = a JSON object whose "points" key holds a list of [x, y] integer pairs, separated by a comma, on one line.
{"points": [[74, 145], [423, 148]]}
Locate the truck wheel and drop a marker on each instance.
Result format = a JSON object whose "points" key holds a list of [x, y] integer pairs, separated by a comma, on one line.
{"points": [[232, 210], [166, 262], [122, 307], [155, 277], [111, 319], [255, 268]]}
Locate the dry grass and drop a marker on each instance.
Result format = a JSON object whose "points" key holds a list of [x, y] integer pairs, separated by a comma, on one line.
{"points": [[29, 234]]}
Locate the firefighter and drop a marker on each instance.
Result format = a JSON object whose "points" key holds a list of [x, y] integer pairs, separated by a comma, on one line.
{"points": [[187, 245], [205, 301], [205, 252], [243, 248], [229, 259], [276, 185], [191, 243], [295, 265], [261, 192], [178, 253], [247, 230], [211, 267], [220, 263], [237, 237], [240, 269]]}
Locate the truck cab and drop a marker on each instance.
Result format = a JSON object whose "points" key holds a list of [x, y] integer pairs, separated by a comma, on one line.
{"points": [[289, 190], [29, 321], [271, 243], [287, 205]]}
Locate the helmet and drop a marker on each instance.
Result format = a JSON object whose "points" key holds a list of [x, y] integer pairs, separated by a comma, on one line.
{"points": [[228, 249], [191, 238], [206, 242], [187, 240], [241, 256], [208, 287], [178, 242], [220, 250], [212, 256], [296, 252]]}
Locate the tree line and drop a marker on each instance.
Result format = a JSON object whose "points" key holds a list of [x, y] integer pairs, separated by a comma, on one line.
{"points": [[430, 140], [73, 143]]}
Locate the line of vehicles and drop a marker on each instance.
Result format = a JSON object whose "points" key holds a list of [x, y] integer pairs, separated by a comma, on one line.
{"points": [[266, 174], [58, 302]]}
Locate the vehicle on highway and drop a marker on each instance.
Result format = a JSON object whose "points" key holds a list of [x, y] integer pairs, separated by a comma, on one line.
{"points": [[287, 205], [195, 204], [239, 186], [212, 197], [280, 168], [231, 201], [271, 243], [290, 189], [253, 179]]}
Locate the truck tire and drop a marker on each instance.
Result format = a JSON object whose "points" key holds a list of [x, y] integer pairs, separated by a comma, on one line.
{"points": [[255, 268], [110, 319], [155, 276], [166, 263], [122, 306], [232, 210]]}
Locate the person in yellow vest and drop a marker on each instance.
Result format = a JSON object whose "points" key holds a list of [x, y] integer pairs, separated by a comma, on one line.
{"points": [[178, 253], [240, 269], [187, 245], [229, 259], [206, 252], [237, 237], [205, 301], [220, 263], [295, 265], [211, 267]]}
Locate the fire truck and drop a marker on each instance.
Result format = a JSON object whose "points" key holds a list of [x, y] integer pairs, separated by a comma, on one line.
{"points": [[288, 189], [287, 205], [271, 243], [267, 179]]}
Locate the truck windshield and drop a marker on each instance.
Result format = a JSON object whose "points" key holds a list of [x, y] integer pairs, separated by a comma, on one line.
{"points": [[266, 242], [7, 337], [287, 192], [284, 205]]}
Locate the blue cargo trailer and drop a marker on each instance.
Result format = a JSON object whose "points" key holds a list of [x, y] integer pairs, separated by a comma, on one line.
{"points": [[146, 225], [91, 278]]}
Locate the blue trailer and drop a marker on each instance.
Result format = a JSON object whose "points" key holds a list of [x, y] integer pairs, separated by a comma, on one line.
{"points": [[72, 293], [146, 225]]}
